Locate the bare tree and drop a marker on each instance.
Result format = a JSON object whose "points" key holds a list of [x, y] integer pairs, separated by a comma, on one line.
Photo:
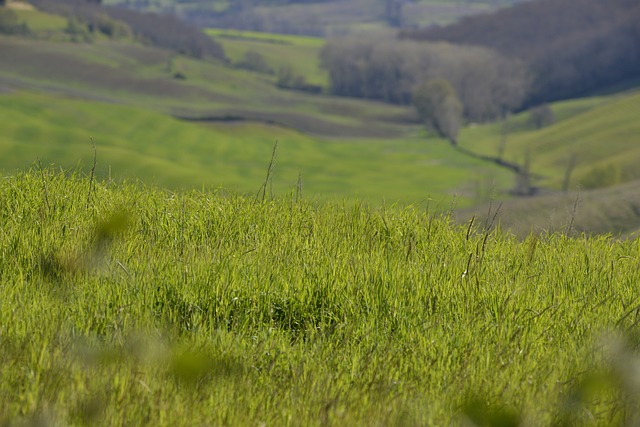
{"points": [[541, 116], [439, 106]]}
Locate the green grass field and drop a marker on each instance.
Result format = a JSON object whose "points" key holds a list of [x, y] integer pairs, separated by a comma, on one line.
{"points": [[122, 72], [129, 306], [601, 134], [138, 144], [42, 22], [299, 53], [340, 147], [167, 290]]}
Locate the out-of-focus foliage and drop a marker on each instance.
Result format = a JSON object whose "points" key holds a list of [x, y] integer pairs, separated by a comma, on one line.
{"points": [[487, 83], [571, 46], [164, 31], [10, 23], [439, 107]]}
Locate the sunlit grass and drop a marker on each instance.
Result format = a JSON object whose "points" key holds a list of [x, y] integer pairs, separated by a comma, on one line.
{"points": [[599, 134], [138, 144], [129, 305]]}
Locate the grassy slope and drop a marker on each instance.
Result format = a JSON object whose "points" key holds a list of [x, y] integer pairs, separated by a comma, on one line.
{"points": [[340, 17], [149, 307], [134, 74], [137, 75], [299, 53], [136, 143], [614, 210], [600, 132]]}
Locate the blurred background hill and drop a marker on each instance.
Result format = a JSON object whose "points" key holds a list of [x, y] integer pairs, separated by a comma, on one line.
{"points": [[429, 103]]}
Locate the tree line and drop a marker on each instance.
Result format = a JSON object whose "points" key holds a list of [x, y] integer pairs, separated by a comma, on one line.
{"points": [[486, 83], [571, 47], [165, 31]]}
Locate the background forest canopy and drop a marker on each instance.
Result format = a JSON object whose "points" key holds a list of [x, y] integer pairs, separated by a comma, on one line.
{"points": [[533, 52], [528, 54], [315, 17], [571, 47]]}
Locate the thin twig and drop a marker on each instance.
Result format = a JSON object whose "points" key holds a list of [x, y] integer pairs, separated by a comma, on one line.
{"points": [[299, 187], [473, 218], [573, 212], [44, 187], [93, 170], [267, 179]]}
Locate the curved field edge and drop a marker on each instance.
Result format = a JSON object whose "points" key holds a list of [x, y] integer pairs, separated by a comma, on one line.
{"points": [[129, 305]]}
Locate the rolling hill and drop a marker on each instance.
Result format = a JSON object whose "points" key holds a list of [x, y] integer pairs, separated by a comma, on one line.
{"points": [[127, 98], [318, 18], [596, 141], [137, 144]]}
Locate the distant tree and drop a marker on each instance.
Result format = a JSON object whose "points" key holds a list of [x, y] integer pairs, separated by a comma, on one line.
{"points": [[487, 84], [10, 23], [254, 61], [439, 107], [541, 116], [78, 31]]}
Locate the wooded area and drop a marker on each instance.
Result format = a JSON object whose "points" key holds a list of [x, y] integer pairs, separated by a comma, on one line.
{"points": [[488, 84], [161, 30], [572, 47]]}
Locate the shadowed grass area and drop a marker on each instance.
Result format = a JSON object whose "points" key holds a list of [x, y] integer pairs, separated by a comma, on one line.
{"points": [[614, 210]]}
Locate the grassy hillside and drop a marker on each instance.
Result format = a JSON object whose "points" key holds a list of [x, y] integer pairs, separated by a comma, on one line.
{"points": [[341, 147], [144, 76], [127, 306], [599, 134], [321, 18], [599, 137], [299, 53], [614, 210], [139, 144]]}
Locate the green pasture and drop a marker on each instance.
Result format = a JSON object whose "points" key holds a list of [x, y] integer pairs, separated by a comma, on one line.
{"points": [[138, 144], [159, 5], [599, 135], [300, 53], [129, 306], [38, 21], [286, 39], [122, 72]]}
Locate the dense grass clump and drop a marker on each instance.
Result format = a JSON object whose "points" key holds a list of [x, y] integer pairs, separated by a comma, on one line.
{"points": [[122, 305]]}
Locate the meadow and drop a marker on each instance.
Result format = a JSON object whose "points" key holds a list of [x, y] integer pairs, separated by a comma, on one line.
{"points": [[300, 53], [128, 304], [155, 270], [597, 134], [137, 144]]}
